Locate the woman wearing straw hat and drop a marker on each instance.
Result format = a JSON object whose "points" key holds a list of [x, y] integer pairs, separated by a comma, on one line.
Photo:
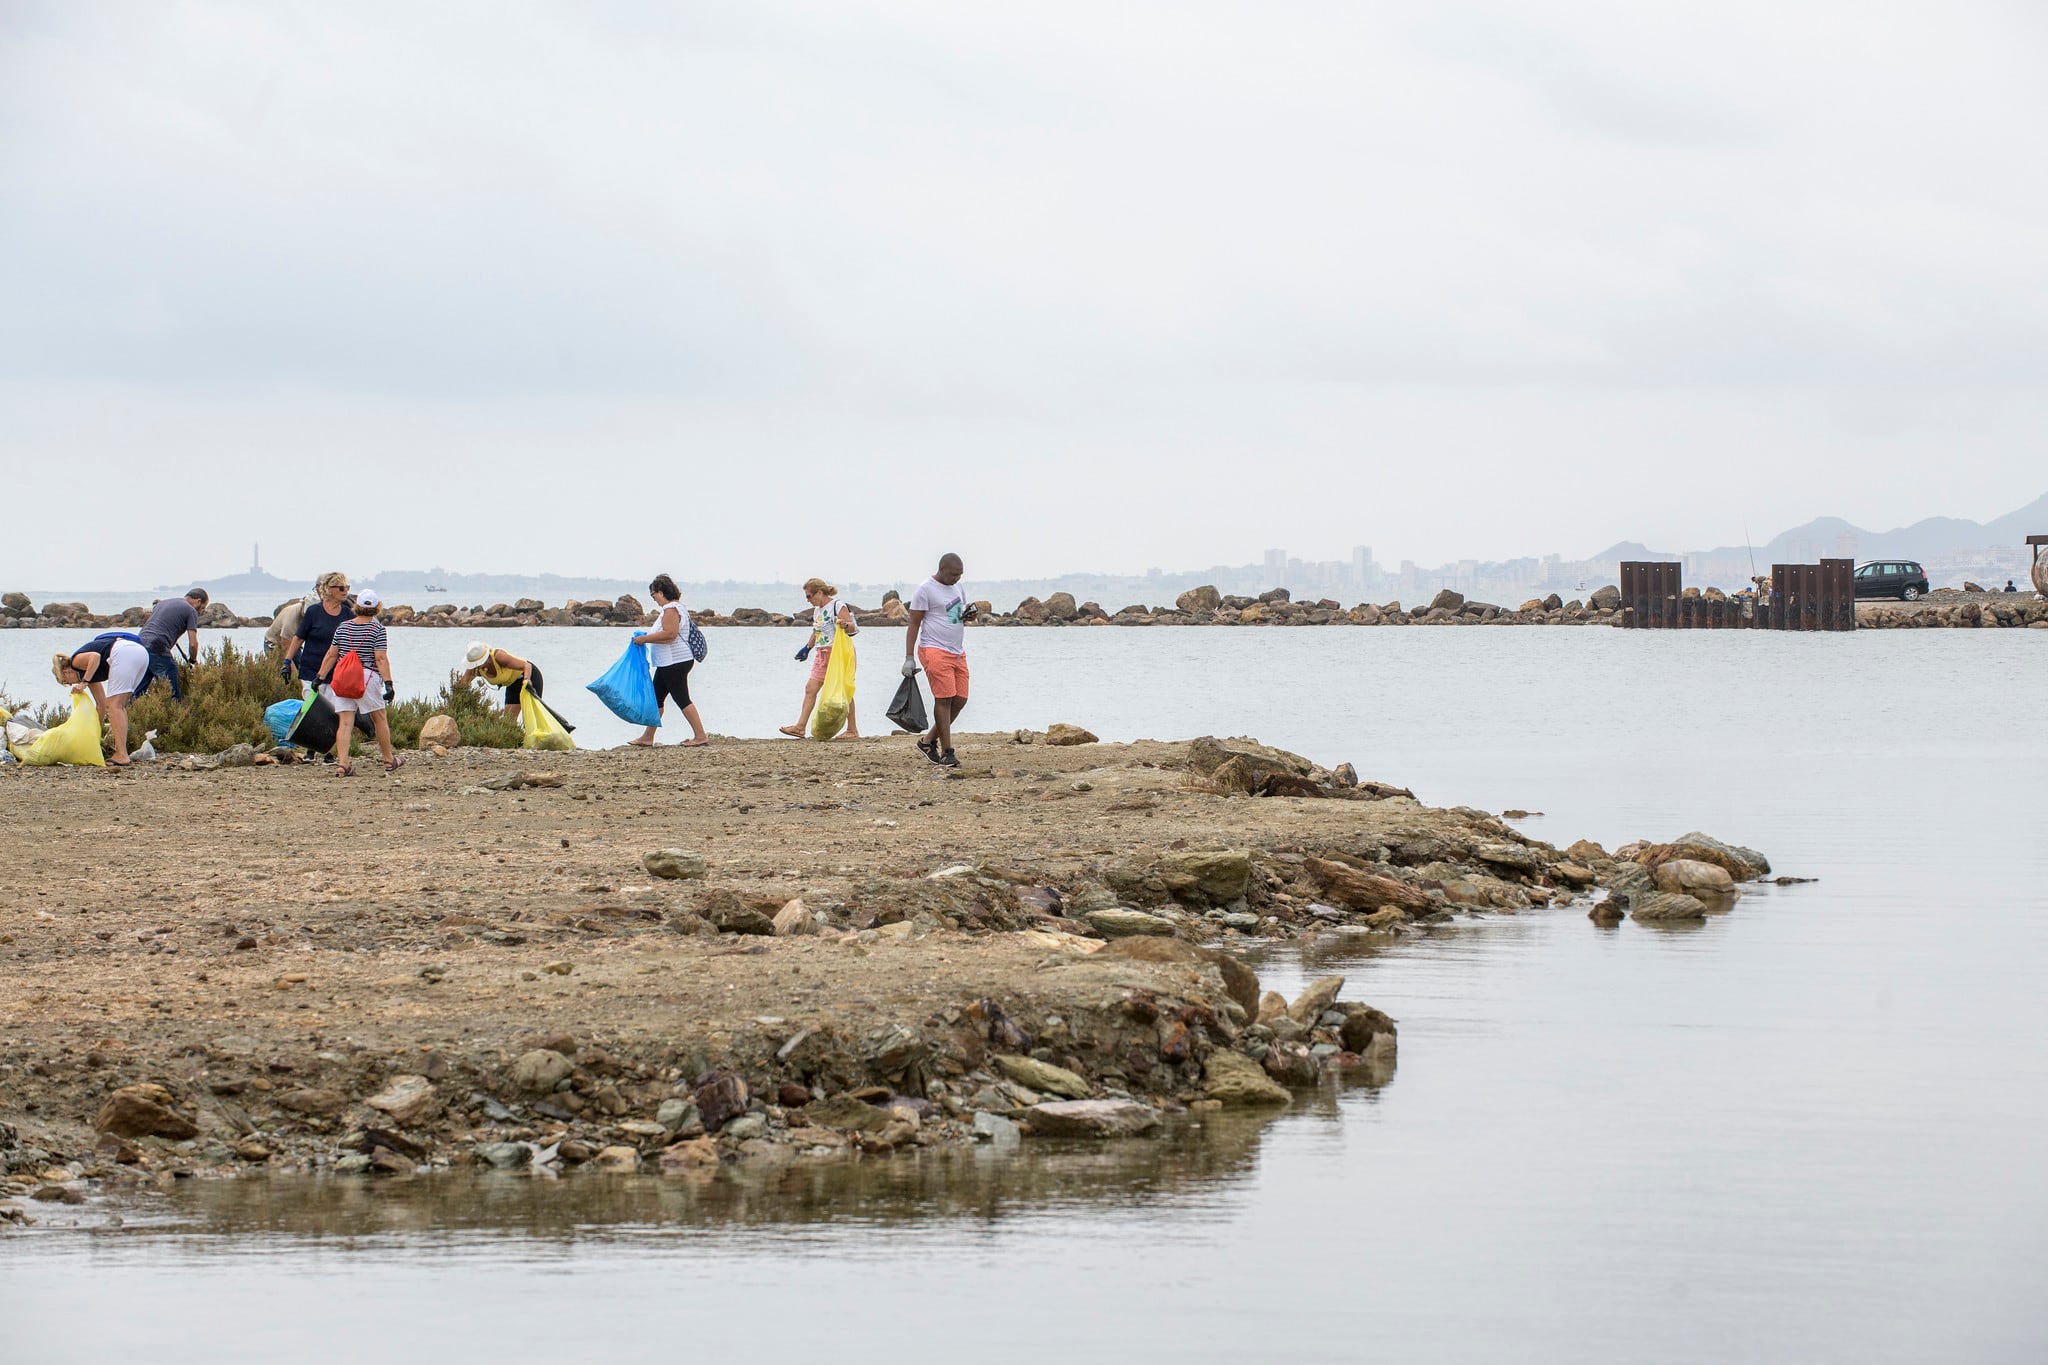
{"points": [[502, 669]]}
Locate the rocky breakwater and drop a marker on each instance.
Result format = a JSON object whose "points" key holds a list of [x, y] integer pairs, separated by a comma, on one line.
{"points": [[1954, 609], [823, 952]]}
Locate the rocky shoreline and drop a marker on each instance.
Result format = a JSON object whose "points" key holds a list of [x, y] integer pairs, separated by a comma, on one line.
{"points": [[759, 953], [1944, 607]]}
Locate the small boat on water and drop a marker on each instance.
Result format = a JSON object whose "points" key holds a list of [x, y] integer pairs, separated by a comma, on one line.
{"points": [[435, 587]]}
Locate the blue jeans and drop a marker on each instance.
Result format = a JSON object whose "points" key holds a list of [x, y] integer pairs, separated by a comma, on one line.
{"points": [[163, 666]]}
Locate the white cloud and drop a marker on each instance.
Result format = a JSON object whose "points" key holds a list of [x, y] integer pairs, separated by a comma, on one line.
{"points": [[1065, 286]]}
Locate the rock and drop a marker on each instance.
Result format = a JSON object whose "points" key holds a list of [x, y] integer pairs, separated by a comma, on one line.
{"points": [[136, 1111], [252, 1149], [1252, 759], [239, 756], [1092, 1118], [1204, 598], [1359, 890], [1234, 1078], [1653, 906], [1362, 1024], [441, 730], [1061, 735], [407, 1099], [1586, 853], [997, 1131], [313, 1102], [1447, 600], [1121, 923], [1060, 607], [1044, 1076], [747, 1126], [1291, 1063], [1689, 876], [795, 918], [721, 1098], [1318, 996], [1240, 982], [1571, 874], [680, 1116], [1742, 864], [1517, 857], [675, 864], [1344, 775], [629, 610], [847, 1115], [730, 915], [618, 1159], [503, 1156], [538, 1072], [1272, 1006], [1606, 598], [1220, 876], [684, 1156], [1031, 611]]}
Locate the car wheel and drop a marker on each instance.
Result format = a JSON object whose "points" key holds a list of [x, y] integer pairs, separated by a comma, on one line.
{"points": [[1910, 593]]}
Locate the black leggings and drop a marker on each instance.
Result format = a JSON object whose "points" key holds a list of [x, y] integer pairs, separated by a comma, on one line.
{"points": [[673, 680]]}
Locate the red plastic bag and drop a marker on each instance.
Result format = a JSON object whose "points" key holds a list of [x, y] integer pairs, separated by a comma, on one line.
{"points": [[348, 676]]}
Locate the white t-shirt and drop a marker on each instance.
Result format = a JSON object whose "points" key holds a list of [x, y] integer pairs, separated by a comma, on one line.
{"points": [[824, 623], [944, 610]]}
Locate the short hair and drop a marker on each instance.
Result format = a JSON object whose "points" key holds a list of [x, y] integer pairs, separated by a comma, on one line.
{"points": [[198, 595], [812, 585], [666, 586], [949, 560], [337, 579]]}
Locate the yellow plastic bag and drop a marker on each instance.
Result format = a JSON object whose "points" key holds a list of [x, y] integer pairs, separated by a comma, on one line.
{"points": [[543, 731], [835, 698], [76, 741]]}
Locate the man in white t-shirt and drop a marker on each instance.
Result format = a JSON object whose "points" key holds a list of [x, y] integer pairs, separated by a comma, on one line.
{"points": [[937, 638]]}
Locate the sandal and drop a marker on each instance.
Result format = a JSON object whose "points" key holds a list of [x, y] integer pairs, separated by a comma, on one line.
{"points": [[344, 770], [395, 764], [639, 744], [694, 743], [793, 731], [112, 764]]}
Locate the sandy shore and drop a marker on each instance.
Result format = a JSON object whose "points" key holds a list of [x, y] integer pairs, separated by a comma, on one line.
{"points": [[442, 965]]}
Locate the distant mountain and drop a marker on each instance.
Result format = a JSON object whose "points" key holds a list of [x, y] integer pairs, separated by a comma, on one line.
{"points": [[1631, 549], [241, 582], [1925, 538]]}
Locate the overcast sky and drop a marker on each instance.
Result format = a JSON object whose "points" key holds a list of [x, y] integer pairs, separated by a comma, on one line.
{"points": [[759, 288]]}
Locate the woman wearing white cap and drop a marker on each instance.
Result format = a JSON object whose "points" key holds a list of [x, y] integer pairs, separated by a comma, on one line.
{"points": [[502, 669], [363, 636]]}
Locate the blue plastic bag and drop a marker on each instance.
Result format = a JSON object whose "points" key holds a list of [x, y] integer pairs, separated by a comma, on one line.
{"points": [[627, 687], [279, 717]]}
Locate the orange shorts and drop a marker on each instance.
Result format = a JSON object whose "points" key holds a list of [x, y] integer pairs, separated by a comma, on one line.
{"points": [[947, 672]]}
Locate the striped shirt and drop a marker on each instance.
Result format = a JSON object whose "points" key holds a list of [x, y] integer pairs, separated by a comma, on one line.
{"points": [[362, 638]]}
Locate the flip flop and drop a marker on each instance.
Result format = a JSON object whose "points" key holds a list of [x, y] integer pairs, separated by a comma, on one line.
{"points": [[694, 744], [794, 732], [112, 764], [639, 744]]}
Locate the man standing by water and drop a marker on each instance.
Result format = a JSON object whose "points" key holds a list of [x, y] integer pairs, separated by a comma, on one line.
{"points": [[937, 638], [168, 619]]}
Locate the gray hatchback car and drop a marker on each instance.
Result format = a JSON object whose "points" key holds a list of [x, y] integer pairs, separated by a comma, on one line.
{"points": [[1901, 578]]}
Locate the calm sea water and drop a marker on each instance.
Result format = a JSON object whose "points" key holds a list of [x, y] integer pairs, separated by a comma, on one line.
{"points": [[1809, 1130]]}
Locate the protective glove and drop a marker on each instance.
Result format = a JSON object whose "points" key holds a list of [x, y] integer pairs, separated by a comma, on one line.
{"points": [[390, 691], [803, 654], [909, 668], [284, 670]]}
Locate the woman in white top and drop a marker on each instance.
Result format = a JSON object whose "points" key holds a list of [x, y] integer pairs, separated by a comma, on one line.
{"points": [[668, 644], [828, 616]]}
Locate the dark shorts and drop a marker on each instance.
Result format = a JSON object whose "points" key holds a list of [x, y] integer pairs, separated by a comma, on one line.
{"points": [[162, 666], [518, 685], [673, 680]]}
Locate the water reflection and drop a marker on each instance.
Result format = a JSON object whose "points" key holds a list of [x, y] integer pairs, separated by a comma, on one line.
{"points": [[1196, 1159]]}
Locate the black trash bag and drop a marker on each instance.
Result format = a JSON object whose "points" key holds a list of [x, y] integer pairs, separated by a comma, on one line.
{"points": [[319, 723], [907, 710]]}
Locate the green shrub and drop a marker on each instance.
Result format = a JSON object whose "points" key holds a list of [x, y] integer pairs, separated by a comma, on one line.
{"points": [[225, 696], [474, 707]]}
